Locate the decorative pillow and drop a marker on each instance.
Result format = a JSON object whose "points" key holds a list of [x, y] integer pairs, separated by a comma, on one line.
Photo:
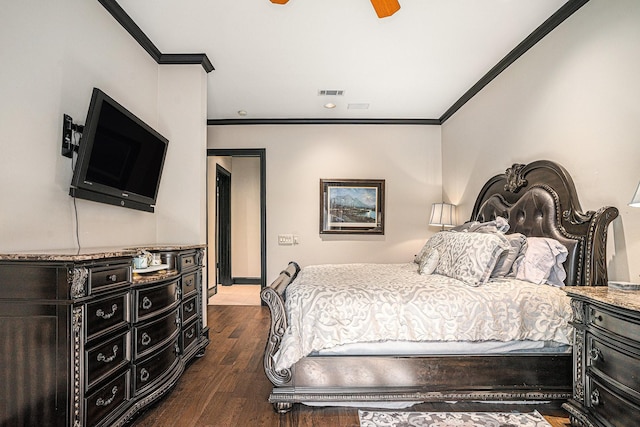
{"points": [[429, 263], [542, 262], [469, 257], [433, 243], [517, 247]]}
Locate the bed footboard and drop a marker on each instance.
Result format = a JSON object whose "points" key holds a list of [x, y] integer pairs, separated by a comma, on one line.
{"points": [[274, 295]]}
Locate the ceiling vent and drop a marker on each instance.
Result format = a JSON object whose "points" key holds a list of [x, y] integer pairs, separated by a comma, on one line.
{"points": [[330, 92]]}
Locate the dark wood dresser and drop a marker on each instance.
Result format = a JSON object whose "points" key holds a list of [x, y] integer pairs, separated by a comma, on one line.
{"points": [[86, 341], [606, 389]]}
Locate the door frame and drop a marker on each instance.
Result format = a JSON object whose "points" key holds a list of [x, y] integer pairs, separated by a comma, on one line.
{"points": [[223, 234], [261, 154]]}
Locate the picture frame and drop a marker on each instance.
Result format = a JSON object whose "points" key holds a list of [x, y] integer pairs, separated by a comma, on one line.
{"points": [[352, 206]]}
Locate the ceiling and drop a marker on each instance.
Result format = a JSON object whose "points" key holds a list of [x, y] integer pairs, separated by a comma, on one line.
{"points": [[272, 60]]}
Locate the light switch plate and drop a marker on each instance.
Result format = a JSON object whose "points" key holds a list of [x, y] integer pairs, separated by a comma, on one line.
{"points": [[285, 239]]}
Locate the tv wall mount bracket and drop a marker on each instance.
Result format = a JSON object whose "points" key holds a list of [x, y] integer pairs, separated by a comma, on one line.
{"points": [[68, 128]]}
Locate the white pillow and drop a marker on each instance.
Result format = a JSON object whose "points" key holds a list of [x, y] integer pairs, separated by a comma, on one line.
{"points": [[542, 262]]}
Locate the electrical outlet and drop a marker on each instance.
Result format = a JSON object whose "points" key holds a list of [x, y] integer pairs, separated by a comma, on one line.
{"points": [[67, 134], [285, 239]]}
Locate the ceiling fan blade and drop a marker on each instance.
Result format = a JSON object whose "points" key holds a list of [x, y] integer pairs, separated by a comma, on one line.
{"points": [[279, 1], [385, 8]]}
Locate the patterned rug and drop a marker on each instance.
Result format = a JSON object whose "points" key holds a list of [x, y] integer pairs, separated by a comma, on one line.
{"points": [[451, 419]]}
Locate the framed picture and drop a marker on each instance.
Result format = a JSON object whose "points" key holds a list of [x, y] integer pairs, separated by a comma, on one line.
{"points": [[352, 206]]}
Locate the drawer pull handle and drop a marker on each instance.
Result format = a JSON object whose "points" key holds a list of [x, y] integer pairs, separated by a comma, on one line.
{"points": [[144, 374], [595, 397], [146, 303], [112, 277], [595, 354], [103, 358], [146, 339], [189, 282], [105, 316], [102, 402], [189, 308], [595, 317], [191, 333]]}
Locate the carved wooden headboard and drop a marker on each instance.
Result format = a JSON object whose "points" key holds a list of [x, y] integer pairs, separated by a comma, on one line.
{"points": [[539, 199]]}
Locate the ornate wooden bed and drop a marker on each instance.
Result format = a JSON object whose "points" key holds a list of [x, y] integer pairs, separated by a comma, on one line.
{"points": [[538, 199]]}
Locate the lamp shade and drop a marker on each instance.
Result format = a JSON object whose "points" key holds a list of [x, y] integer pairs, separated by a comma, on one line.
{"points": [[443, 214], [635, 202]]}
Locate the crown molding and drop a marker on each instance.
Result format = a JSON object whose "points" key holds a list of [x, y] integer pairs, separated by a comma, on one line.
{"points": [[568, 9], [136, 32], [364, 121]]}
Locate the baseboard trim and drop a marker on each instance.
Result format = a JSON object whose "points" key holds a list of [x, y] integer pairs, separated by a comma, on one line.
{"points": [[245, 280]]}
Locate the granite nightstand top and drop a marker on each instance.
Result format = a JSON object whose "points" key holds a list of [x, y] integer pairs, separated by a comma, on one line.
{"points": [[624, 299]]}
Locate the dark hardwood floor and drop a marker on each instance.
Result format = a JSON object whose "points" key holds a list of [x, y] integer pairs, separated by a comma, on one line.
{"points": [[227, 387]]}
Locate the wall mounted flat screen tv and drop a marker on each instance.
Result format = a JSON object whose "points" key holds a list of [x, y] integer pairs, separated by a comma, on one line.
{"points": [[120, 158]]}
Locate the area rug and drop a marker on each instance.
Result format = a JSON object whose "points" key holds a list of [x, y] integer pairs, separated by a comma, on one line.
{"points": [[451, 419]]}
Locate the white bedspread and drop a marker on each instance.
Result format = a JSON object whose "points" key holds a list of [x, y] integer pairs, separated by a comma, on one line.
{"points": [[331, 305]]}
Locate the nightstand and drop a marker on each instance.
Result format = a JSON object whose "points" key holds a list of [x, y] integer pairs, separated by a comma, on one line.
{"points": [[606, 357]]}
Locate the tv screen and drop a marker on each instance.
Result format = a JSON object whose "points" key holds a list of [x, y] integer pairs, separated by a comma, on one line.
{"points": [[120, 158]]}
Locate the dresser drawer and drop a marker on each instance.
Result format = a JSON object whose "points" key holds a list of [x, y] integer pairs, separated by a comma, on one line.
{"points": [[107, 315], [606, 404], [616, 362], [155, 367], [611, 323], [189, 283], [153, 334], [108, 277], [152, 300], [106, 358], [107, 399], [189, 309], [188, 261], [189, 336]]}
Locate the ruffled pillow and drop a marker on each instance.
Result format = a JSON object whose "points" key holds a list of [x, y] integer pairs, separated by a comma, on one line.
{"points": [[498, 225], [542, 262]]}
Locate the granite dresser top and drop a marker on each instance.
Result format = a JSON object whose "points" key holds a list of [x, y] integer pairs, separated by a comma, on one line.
{"points": [[88, 254]]}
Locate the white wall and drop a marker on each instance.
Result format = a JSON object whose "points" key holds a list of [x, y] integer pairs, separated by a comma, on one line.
{"points": [[297, 157], [53, 54], [573, 99], [245, 217], [181, 209]]}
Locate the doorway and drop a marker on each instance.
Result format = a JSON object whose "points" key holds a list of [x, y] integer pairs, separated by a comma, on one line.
{"points": [[223, 226], [219, 235]]}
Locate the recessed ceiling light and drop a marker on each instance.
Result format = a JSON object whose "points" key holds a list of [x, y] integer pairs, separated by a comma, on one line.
{"points": [[329, 105], [242, 113]]}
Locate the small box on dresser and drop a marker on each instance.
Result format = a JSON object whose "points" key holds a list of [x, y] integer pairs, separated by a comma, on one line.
{"points": [[606, 391]]}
